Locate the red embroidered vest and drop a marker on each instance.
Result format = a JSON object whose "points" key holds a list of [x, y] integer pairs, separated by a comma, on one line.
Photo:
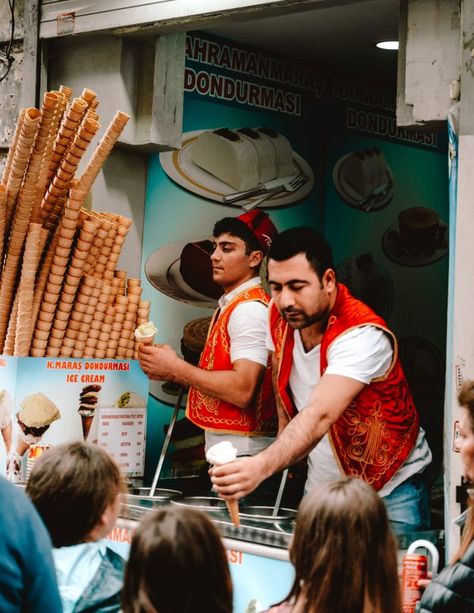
{"points": [[378, 430], [259, 419]]}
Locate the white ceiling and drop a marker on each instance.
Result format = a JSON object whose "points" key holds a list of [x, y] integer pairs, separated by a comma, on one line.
{"points": [[340, 37]]}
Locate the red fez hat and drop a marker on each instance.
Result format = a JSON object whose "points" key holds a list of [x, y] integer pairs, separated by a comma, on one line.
{"points": [[262, 227]]}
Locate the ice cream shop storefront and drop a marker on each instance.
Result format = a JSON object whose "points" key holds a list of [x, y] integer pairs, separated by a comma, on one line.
{"points": [[138, 160]]}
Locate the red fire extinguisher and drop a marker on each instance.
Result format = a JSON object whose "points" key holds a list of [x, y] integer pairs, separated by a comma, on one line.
{"points": [[414, 568]]}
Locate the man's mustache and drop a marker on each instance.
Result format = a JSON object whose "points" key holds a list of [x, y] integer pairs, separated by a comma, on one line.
{"points": [[291, 311]]}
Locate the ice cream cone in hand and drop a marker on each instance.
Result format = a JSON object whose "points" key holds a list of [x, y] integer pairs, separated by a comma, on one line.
{"points": [[145, 333], [220, 454]]}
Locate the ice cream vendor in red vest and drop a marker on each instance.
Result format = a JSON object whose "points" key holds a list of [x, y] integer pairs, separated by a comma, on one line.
{"points": [[230, 395], [342, 396]]}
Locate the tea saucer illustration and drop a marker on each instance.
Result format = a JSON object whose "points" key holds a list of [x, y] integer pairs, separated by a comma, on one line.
{"points": [[418, 238]]}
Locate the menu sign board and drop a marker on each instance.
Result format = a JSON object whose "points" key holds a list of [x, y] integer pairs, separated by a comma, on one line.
{"points": [[122, 433], [52, 401]]}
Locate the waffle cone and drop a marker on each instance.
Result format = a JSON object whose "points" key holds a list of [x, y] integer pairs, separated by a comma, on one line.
{"points": [[233, 508], [86, 424], [145, 340]]}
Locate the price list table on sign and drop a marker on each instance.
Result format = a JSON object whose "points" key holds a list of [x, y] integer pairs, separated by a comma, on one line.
{"points": [[122, 433]]}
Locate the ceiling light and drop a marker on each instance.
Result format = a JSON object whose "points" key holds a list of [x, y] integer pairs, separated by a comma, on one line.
{"points": [[388, 45]]}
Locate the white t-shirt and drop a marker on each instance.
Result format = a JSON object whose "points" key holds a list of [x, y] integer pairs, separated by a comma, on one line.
{"points": [[247, 330], [363, 354]]}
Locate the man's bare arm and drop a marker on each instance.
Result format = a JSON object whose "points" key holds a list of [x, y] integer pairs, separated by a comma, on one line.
{"points": [[330, 398], [238, 386]]}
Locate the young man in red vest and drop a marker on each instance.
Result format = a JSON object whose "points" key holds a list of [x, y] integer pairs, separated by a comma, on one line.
{"points": [[230, 393], [342, 396]]}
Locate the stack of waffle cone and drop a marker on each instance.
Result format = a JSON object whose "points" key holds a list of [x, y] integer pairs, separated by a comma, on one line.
{"points": [[121, 275], [71, 283], [69, 123], [87, 318], [12, 149], [21, 188], [115, 334], [94, 343], [106, 330], [103, 149], [127, 327], [76, 140], [75, 319], [60, 293], [57, 271], [20, 158], [143, 315], [26, 288], [134, 292], [104, 255], [3, 217], [96, 248], [43, 147]]}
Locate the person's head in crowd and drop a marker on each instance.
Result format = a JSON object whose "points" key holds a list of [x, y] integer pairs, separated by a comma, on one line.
{"points": [[301, 276], [256, 231], [344, 552], [174, 543], [76, 489], [466, 427], [465, 445]]}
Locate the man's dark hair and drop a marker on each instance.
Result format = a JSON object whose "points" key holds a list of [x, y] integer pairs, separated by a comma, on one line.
{"points": [[304, 240], [237, 228], [71, 486]]}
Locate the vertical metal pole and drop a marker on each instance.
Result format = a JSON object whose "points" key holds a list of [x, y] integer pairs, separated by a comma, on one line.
{"points": [[166, 443]]}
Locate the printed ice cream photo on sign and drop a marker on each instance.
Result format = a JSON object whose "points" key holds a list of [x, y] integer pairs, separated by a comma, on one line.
{"points": [[418, 238], [29, 424], [244, 167], [364, 180], [88, 399]]}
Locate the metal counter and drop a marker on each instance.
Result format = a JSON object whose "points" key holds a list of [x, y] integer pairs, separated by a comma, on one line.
{"points": [[267, 532]]}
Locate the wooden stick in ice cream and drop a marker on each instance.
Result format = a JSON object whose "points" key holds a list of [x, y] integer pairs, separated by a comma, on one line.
{"points": [[145, 333], [223, 453]]}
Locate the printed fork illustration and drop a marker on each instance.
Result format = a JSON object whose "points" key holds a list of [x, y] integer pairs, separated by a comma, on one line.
{"points": [[291, 186]]}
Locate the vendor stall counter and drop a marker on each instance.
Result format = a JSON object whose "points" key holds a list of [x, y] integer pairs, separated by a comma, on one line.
{"points": [[257, 550]]}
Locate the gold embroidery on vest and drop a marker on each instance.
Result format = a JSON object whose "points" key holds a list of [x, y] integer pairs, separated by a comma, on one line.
{"points": [[367, 437]]}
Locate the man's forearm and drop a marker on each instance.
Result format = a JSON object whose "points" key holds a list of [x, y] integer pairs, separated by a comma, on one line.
{"points": [[226, 385], [295, 442]]}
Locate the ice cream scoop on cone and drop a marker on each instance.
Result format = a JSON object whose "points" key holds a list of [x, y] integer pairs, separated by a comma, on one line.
{"points": [[220, 454], [145, 333]]}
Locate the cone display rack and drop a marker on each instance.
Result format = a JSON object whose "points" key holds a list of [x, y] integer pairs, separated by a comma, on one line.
{"points": [[60, 292]]}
